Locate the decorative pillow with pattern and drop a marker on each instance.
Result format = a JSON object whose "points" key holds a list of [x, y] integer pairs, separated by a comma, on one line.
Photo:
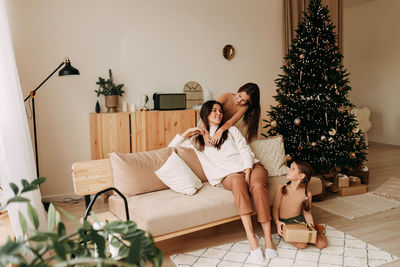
{"points": [[271, 153]]}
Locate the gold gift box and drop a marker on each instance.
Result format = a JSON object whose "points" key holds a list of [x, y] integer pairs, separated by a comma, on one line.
{"points": [[299, 233], [342, 181]]}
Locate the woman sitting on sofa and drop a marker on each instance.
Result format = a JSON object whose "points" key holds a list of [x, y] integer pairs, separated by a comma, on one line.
{"points": [[231, 163]]}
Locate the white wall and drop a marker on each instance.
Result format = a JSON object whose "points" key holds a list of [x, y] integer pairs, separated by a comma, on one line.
{"points": [[372, 55], [151, 46]]}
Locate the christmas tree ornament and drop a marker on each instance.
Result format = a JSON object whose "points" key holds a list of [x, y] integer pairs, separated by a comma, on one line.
{"points": [[297, 121], [313, 144], [274, 124], [288, 157], [300, 147], [355, 130], [350, 134], [332, 132], [352, 155], [323, 138], [331, 140], [301, 56]]}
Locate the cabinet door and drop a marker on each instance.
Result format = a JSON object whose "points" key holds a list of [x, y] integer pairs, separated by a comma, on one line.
{"points": [[148, 131], [155, 129], [109, 132], [177, 121]]}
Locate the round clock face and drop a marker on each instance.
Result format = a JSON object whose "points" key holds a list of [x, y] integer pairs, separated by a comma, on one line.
{"points": [[228, 52], [194, 94]]}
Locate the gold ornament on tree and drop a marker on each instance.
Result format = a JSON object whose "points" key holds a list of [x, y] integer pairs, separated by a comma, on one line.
{"points": [[274, 124], [300, 147], [313, 144], [355, 130], [288, 157], [297, 121], [352, 155], [332, 132], [323, 137], [301, 56]]}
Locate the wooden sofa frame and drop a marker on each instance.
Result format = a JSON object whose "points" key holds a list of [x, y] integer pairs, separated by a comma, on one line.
{"points": [[94, 176]]}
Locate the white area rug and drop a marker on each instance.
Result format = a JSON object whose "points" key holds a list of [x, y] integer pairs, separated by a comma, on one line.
{"points": [[356, 206], [389, 189], [343, 250]]}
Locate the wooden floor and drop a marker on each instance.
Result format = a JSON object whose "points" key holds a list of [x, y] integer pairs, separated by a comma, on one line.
{"points": [[380, 230]]}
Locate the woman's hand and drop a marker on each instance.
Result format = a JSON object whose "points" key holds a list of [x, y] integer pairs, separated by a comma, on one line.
{"points": [[279, 227], [217, 136], [191, 131], [247, 173]]}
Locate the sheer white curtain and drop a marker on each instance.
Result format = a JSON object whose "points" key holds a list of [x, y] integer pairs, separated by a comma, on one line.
{"points": [[16, 152]]}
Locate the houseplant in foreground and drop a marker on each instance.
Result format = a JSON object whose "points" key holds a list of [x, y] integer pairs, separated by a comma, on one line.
{"points": [[89, 245], [110, 90]]}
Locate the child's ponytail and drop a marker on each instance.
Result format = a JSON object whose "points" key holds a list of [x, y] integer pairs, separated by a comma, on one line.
{"points": [[304, 167], [306, 203]]}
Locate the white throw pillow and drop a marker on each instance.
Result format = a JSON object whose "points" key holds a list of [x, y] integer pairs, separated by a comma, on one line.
{"points": [[177, 175], [271, 153]]}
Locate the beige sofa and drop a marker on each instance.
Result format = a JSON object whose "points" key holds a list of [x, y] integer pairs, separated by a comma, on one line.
{"points": [[156, 208]]}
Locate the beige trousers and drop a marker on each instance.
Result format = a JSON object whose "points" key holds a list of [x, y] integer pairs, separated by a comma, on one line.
{"points": [[241, 191]]}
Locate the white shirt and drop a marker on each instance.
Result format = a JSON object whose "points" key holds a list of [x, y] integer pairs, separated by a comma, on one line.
{"points": [[233, 156]]}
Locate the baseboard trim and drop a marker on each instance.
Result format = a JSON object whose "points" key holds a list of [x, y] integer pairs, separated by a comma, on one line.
{"points": [[383, 141]]}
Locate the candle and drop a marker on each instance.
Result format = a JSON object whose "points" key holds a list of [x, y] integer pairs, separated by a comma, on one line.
{"points": [[124, 106], [132, 108]]}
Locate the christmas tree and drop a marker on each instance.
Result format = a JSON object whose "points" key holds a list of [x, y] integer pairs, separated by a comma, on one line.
{"points": [[313, 112]]}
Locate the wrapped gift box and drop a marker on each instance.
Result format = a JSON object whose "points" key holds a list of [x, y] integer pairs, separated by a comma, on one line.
{"points": [[353, 189], [363, 173], [354, 180], [299, 233], [342, 181]]}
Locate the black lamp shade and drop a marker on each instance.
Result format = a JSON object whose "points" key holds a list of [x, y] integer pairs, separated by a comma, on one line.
{"points": [[68, 69]]}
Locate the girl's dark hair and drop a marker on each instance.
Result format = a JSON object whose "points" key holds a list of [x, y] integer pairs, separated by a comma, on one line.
{"points": [[252, 116], [304, 167], [206, 109]]}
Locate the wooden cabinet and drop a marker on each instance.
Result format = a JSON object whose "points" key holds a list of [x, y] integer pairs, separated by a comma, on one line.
{"points": [[137, 131]]}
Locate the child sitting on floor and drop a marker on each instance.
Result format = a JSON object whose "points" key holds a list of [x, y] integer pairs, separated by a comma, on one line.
{"points": [[293, 199]]}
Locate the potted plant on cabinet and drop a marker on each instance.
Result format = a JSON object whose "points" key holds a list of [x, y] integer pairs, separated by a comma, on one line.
{"points": [[110, 90]]}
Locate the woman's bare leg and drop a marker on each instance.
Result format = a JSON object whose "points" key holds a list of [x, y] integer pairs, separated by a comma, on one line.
{"points": [[248, 227]]}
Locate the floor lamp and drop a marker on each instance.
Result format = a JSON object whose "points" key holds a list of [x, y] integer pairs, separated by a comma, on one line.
{"points": [[67, 70]]}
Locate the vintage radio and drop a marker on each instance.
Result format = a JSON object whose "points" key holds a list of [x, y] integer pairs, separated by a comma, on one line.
{"points": [[169, 101]]}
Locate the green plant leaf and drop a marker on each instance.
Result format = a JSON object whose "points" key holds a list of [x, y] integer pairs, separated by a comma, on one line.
{"points": [[117, 227], [22, 222], [14, 188], [61, 229], [39, 237], [58, 218], [134, 251], [25, 183], [38, 181], [51, 217], [29, 188], [17, 199], [100, 243], [33, 216], [60, 249]]}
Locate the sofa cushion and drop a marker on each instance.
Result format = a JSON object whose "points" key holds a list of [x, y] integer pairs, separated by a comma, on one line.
{"points": [[189, 156], [166, 211], [177, 175], [271, 153], [134, 173]]}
